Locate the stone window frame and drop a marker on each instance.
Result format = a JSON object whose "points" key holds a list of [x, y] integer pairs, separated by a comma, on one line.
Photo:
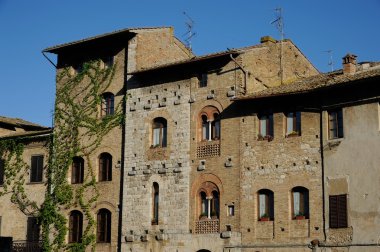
{"points": [[160, 124], [105, 167], [104, 226], [155, 203], [303, 203], [209, 118], [75, 231]]}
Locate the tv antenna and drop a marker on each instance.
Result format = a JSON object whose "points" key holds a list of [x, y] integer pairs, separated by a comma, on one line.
{"points": [[279, 22], [331, 62], [189, 33]]}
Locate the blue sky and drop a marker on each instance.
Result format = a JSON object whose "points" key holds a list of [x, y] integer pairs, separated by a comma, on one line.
{"points": [[27, 27]]}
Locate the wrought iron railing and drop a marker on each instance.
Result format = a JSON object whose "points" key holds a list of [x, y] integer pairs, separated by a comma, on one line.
{"points": [[27, 246]]}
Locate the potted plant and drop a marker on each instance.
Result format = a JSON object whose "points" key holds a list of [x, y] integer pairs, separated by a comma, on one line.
{"points": [[300, 216], [203, 216], [292, 134], [214, 215], [264, 217]]}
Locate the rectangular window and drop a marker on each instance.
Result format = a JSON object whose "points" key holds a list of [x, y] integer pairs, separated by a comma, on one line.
{"points": [[338, 211], [335, 124], [266, 126], [37, 163], [231, 210], [33, 229], [108, 61], [202, 80], [2, 169], [293, 124]]}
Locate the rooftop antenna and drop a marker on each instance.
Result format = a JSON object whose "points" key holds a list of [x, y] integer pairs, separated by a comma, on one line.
{"points": [[189, 33], [331, 62], [279, 22]]}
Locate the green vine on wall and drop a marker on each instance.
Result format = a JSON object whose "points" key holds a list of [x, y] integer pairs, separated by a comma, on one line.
{"points": [[79, 130]]}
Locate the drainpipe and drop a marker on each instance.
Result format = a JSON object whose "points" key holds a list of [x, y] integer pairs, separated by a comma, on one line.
{"points": [[323, 173], [244, 71]]}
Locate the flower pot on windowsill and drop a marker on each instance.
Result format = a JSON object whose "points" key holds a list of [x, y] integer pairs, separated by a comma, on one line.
{"points": [[264, 138], [264, 219], [300, 217], [292, 134]]}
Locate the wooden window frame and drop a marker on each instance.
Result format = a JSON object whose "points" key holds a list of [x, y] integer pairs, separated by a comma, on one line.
{"points": [[304, 202], [105, 167], [269, 124], [104, 223], [269, 204], [335, 124], [75, 227], [77, 170], [33, 229], [338, 217], [36, 168], [108, 104], [296, 123], [161, 124], [202, 80]]}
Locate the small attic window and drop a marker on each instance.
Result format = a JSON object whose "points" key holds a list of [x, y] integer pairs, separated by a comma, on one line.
{"points": [[108, 61], [202, 80]]}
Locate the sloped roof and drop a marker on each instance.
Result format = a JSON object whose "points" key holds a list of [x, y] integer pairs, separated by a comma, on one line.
{"points": [[32, 133], [56, 48], [187, 61], [20, 123], [313, 83]]}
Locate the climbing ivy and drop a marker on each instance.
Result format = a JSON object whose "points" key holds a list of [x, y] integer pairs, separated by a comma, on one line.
{"points": [[79, 130]]}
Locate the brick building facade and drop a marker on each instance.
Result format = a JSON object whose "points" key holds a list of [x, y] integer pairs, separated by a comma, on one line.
{"points": [[241, 150]]}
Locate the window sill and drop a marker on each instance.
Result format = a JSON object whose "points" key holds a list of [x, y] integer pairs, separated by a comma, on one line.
{"points": [[35, 183], [105, 181], [265, 138], [292, 135]]}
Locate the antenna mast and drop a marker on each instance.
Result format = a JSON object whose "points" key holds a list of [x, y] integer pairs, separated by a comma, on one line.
{"points": [[279, 22], [331, 62], [189, 34]]}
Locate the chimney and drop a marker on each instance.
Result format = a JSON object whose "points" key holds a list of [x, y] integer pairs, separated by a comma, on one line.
{"points": [[349, 64], [267, 39]]}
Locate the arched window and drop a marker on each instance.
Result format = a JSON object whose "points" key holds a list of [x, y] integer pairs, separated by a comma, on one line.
{"points": [[209, 201], [209, 124], [103, 232], [300, 203], [265, 204], [107, 104], [155, 201], [105, 167], [77, 170], [75, 227], [159, 132]]}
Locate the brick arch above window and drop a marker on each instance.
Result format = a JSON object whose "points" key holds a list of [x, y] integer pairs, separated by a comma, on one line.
{"points": [[203, 178], [208, 124]]}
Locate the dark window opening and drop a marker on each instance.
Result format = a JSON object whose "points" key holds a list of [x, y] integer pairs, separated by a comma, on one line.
{"points": [[77, 170], [105, 167], [266, 204], [155, 199], [338, 211], [36, 172], [2, 171], [300, 200], [103, 232], [335, 124], [108, 100], [33, 229], [202, 80], [75, 227]]}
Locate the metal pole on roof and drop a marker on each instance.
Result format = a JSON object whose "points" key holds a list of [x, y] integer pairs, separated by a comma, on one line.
{"points": [[280, 27]]}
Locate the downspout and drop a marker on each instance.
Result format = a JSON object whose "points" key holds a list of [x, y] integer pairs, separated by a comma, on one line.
{"points": [[122, 163], [244, 71], [323, 173]]}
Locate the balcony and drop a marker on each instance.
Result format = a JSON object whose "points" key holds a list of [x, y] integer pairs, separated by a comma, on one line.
{"points": [[207, 226], [27, 246], [208, 149]]}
